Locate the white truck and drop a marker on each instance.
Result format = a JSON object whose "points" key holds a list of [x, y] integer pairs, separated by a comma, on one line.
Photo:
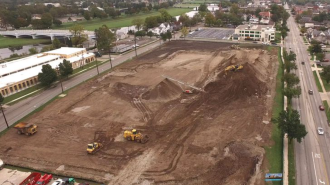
{"points": [[2, 164]]}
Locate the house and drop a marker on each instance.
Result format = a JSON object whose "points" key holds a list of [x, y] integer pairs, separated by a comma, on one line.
{"points": [[121, 35], [53, 4], [212, 7], [265, 15], [35, 16], [163, 28], [321, 36]]}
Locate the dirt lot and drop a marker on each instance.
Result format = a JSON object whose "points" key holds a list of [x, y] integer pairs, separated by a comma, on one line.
{"points": [[214, 136]]}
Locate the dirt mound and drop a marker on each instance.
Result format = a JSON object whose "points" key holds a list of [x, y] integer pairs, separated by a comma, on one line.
{"points": [[165, 90], [235, 85]]}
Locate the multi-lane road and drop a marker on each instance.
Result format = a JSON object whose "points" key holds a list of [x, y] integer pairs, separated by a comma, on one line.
{"points": [[312, 155], [24, 107]]}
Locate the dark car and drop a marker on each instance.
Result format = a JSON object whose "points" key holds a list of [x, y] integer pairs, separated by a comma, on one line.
{"points": [[303, 63], [310, 92], [321, 107], [97, 54]]}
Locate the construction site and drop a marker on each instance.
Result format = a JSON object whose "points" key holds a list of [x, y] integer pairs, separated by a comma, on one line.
{"points": [[200, 112]]}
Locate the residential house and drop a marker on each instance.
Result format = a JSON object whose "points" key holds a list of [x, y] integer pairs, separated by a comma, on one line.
{"points": [[163, 28], [121, 35], [265, 15], [321, 36]]}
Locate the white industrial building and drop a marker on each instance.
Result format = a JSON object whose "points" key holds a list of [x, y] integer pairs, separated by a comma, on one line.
{"points": [[264, 33], [20, 74]]}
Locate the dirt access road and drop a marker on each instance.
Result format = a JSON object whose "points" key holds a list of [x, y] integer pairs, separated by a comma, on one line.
{"points": [[211, 137]]}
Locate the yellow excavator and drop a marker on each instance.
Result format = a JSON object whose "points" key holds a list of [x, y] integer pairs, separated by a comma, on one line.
{"points": [[134, 135], [92, 148], [234, 68]]}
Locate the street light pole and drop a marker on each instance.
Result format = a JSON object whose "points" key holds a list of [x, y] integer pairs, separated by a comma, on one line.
{"points": [[3, 113], [110, 57], [97, 67], [61, 84]]}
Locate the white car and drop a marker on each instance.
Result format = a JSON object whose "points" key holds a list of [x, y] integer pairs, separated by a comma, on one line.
{"points": [[320, 130], [58, 182], [2, 164]]}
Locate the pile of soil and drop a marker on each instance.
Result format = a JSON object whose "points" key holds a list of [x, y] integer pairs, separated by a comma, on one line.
{"points": [[165, 90]]}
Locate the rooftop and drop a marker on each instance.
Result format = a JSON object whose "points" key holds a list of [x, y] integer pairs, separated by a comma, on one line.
{"points": [[66, 51], [254, 27]]}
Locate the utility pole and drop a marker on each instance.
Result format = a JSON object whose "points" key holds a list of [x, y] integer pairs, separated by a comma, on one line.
{"points": [[97, 67], [135, 44], [3, 113], [61, 84]]}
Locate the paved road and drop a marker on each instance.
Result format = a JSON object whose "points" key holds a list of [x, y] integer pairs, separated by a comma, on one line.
{"points": [[312, 154], [24, 107]]}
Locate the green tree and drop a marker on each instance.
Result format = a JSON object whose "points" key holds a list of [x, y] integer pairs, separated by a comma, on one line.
{"points": [[47, 20], [151, 22], [291, 92], [87, 15], [47, 76], [78, 35], [184, 31], [150, 34], [57, 22], [165, 15], [289, 123], [65, 68], [104, 38], [56, 43], [291, 79], [169, 35], [209, 19], [303, 30], [163, 36], [320, 56], [326, 73], [138, 22], [202, 8], [33, 51]]}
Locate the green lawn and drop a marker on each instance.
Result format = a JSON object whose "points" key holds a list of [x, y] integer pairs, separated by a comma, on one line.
{"points": [[186, 5], [327, 111], [7, 41], [318, 84], [22, 93], [292, 166], [325, 84], [274, 153], [122, 21]]}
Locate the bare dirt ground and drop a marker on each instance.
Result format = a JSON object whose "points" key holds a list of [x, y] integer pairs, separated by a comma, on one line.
{"points": [[211, 137]]}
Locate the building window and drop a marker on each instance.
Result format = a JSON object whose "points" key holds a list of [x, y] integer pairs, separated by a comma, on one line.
{"points": [[6, 91], [35, 80], [27, 83], [15, 87], [246, 31], [11, 89], [19, 86], [3, 92], [31, 81], [251, 35], [24, 85], [246, 35]]}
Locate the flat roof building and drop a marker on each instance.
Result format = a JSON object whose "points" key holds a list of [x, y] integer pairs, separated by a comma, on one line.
{"points": [[264, 33], [20, 74]]}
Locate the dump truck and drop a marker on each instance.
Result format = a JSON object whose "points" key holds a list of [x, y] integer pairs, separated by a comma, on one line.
{"points": [[45, 179], [134, 135], [93, 147], [26, 128], [31, 179]]}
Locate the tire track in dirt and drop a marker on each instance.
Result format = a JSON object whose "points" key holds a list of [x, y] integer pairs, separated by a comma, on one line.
{"points": [[146, 112]]}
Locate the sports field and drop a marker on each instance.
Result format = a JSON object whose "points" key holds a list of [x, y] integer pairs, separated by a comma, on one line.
{"points": [[122, 21], [6, 41]]}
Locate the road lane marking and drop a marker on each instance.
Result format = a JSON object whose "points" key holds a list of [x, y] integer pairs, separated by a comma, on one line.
{"points": [[314, 169]]}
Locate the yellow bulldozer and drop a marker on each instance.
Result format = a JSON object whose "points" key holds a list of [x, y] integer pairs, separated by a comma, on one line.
{"points": [[233, 68], [134, 135], [92, 148], [26, 128]]}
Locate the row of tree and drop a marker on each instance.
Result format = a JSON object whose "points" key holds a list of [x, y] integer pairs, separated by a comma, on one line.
{"points": [[288, 120]]}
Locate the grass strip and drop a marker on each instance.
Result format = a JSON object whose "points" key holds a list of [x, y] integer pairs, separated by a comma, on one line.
{"points": [[292, 165], [274, 154], [326, 109], [318, 84]]}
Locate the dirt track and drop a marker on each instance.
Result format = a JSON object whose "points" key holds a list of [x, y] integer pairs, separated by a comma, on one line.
{"points": [[211, 137]]}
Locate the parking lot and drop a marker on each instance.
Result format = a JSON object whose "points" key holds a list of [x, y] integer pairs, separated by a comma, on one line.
{"points": [[219, 34]]}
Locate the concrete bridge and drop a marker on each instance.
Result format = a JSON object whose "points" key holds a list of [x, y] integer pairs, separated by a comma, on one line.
{"points": [[41, 34]]}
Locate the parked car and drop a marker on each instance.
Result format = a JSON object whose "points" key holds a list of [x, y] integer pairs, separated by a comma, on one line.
{"points": [[45, 179], [310, 91], [58, 182], [97, 54], [320, 130], [2, 164], [321, 107]]}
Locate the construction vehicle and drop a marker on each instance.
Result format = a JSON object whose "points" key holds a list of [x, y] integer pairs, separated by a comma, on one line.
{"points": [[31, 179], [26, 128], [188, 91], [93, 147], [233, 68], [134, 135], [45, 179]]}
